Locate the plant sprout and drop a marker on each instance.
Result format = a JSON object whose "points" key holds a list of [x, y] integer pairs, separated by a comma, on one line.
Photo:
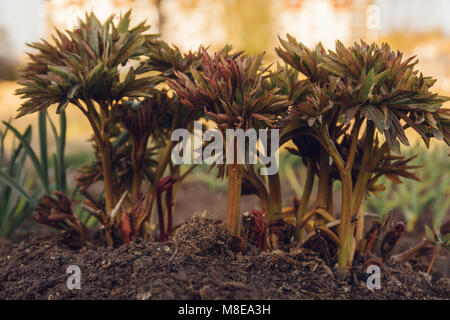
{"points": [[355, 96], [103, 69], [231, 92], [439, 237]]}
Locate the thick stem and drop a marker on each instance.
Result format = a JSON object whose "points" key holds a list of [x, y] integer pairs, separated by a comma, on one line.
{"points": [[169, 207], [306, 195], [138, 154], [234, 198], [324, 180], [107, 174], [274, 197], [345, 254], [328, 143], [330, 206], [163, 162], [101, 134], [135, 186], [365, 172], [351, 202], [354, 143], [359, 234], [261, 188], [324, 184], [162, 227]]}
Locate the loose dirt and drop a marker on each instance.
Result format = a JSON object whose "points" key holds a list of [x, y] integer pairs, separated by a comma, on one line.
{"points": [[198, 264]]}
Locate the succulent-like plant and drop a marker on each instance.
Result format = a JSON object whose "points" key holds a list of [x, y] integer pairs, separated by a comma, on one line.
{"points": [[233, 93], [82, 68], [355, 95], [103, 70]]}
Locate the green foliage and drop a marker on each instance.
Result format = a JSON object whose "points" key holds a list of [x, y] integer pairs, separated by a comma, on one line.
{"points": [[231, 91], [20, 194], [17, 196], [203, 174], [85, 65], [346, 112], [372, 82], [439, 237], [116, 74], [412, 198], [436, 237], [234, 92], [353, 95]]}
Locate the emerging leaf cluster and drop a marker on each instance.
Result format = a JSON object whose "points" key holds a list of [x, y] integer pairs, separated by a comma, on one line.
{"points": [[232, 91], [116, 75], [85, 64]]}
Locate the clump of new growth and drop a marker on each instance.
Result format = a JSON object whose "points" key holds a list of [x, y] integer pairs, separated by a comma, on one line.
{"points": [[102, 69], [350, 99], [233, 93]]}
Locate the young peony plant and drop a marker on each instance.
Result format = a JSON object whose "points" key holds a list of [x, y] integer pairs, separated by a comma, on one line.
{"points": [[102, 69], [233, 93], [353, 96]]}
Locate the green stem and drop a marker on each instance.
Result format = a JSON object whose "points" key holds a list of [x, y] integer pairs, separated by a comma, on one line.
{"points": [[137, 158], [359, 234], [105, 150], [274, 196], [365, 172], [306, 195], [101, 136], [163, 162], [324, 184], [330, 205], [234, 198], [107, 178], [345, 255], [261, 188]]}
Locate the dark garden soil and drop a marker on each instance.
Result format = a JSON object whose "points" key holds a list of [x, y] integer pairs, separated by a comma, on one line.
{"points": [[198, 264]]}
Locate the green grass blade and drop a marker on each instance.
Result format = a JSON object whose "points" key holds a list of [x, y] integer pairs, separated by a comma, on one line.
{"points": [[57, 171], [23, 211], [4, 178], [43, 145], [34, 159], [61, 151], [16, 173], [61, 180]]}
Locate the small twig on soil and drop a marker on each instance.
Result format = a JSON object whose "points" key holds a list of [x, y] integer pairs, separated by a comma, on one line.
{"points": [[285, 285], [408, 254]]}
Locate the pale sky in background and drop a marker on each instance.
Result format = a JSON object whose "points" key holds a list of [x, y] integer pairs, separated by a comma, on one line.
{"points": [[24, 20], [415, 15]]}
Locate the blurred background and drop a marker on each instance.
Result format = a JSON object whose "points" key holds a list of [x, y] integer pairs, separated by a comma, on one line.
{"points": [[417, 27]]}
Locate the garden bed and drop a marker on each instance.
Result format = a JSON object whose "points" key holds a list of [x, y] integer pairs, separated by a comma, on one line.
{"points": [[197, 264]]}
